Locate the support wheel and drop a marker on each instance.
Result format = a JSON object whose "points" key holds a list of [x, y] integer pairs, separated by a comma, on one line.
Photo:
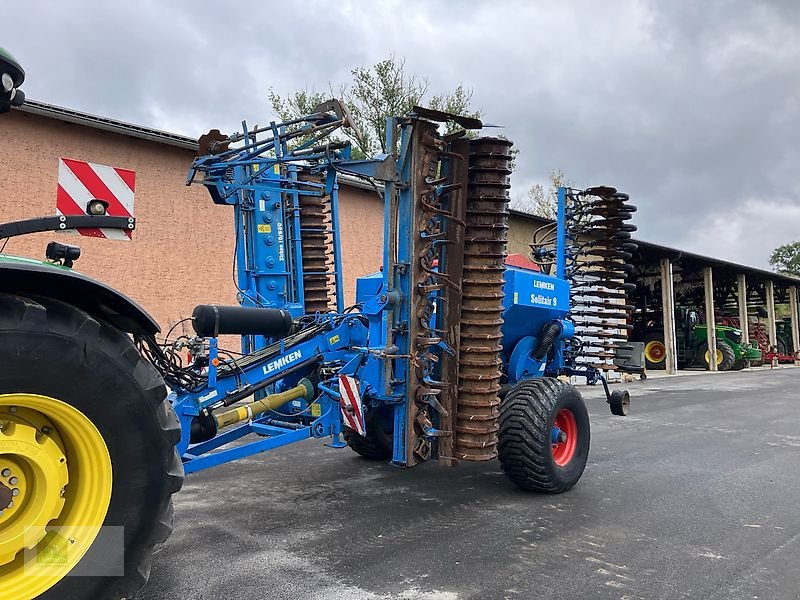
{"points": [[377, 444], [655, 352], [87, 451], [544, 435], [620, 403]]}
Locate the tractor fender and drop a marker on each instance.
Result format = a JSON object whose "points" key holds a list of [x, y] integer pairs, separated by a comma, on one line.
{"points": [[20, 276]]}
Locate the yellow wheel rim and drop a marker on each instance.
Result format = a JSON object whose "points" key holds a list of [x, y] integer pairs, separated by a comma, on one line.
{"points": [[719, 357], [55, 488], [655, 351]]}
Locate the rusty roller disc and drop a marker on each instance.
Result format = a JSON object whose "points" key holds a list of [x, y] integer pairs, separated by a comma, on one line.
{"points": [[482, 299]]}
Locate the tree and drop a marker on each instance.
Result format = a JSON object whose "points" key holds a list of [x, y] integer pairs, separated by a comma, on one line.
{"points": [[786, 259], [544, 202], [375, 93]]}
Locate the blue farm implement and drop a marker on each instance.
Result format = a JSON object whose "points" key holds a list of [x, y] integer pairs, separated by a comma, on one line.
{"points": [[447, 354]]}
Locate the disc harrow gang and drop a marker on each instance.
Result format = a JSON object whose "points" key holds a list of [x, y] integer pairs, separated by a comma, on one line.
{"points": [[597, 255], [479, 363]]}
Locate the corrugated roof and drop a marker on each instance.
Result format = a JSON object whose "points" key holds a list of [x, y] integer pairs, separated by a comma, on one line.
{"points": [[676, 253], [52, 111]]}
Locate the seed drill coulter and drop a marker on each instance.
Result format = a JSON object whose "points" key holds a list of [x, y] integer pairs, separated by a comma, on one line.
{"points": [[447, 354]]}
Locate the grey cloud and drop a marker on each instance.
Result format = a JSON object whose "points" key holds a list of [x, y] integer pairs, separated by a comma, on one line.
{"points": [[691, 107]]}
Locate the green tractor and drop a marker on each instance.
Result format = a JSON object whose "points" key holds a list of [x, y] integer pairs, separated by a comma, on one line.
{"points": [[11, 77], [783, 331], [691, 341], [87, 438]]}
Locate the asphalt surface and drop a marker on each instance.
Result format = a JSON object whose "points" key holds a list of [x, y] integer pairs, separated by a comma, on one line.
{"points": [[696, 494]]}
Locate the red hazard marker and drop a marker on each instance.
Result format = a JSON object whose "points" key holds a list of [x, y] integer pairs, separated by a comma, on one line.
{"points": [[79, 182], [352, 409]]}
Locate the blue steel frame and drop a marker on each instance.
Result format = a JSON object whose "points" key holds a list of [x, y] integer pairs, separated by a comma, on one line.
{"points": [[299, 419], [260, 181]]}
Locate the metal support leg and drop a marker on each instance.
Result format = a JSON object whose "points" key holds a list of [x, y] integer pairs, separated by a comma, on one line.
{"points": [[741, 292], [668, 308], [708, 284]]}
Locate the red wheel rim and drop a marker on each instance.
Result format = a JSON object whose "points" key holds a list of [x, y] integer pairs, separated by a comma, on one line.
{"points": [[564, 451]]}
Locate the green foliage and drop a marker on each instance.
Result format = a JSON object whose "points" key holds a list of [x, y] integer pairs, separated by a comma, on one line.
{"points": [[544, 202], [302, 102], [374, 94], [786, 259]]}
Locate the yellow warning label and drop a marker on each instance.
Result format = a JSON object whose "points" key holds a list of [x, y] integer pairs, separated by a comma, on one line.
{"points": [[316, 410], [516, 297], [277, 169], [264, 228], [333, 339], [256, 167]]}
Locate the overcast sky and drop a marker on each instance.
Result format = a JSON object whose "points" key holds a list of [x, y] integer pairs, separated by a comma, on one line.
{"points": [[692, 107]]}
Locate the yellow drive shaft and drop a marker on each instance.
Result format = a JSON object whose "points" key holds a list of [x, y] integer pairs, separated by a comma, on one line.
{"points": [[304, 389]]}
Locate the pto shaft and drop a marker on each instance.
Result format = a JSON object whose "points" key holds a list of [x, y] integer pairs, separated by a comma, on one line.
{"points": [[304, 390]]}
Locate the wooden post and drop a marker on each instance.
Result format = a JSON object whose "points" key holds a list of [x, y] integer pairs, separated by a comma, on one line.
{"points": [[795, 316], [711, 329], [773, 334], [741, 291], [668, 308]]}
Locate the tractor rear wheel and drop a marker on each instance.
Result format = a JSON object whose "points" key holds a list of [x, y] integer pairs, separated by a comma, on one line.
{"points": [[87, 450], [725, 356], [544, 435], [655, 352], [377, 444]]}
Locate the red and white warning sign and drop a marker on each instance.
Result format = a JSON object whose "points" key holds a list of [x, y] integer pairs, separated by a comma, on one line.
{"points": [[352, 409], [79, 182]]}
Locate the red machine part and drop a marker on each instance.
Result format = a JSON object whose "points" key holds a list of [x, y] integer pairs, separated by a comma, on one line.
{"points": [[522, 262]]}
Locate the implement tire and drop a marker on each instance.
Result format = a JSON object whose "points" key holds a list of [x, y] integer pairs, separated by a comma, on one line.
{"points": [[529, 415], [106, 465], [378, 444]]}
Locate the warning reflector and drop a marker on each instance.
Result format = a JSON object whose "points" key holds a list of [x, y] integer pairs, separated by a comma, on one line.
{"points": [[79, 182], [352, 409]]}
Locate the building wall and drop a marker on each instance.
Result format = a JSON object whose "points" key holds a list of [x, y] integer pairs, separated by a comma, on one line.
{"points": [[182, 249], [520, 233]]}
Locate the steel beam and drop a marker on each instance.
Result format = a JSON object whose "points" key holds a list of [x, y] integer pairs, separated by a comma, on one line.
{"points": [[668, 308], [741, 292], [795, 317], [773, 334], [711, 329]]}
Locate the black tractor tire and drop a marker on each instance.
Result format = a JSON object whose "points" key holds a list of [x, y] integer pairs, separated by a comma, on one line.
{"points": [[53, 349], [527, 415], [376, 445], [728, 356], [740, 364], [781, 347], [655, 360]]}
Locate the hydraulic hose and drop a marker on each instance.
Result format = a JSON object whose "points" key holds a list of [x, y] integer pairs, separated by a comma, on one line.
{"points": [[550, 333]]}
